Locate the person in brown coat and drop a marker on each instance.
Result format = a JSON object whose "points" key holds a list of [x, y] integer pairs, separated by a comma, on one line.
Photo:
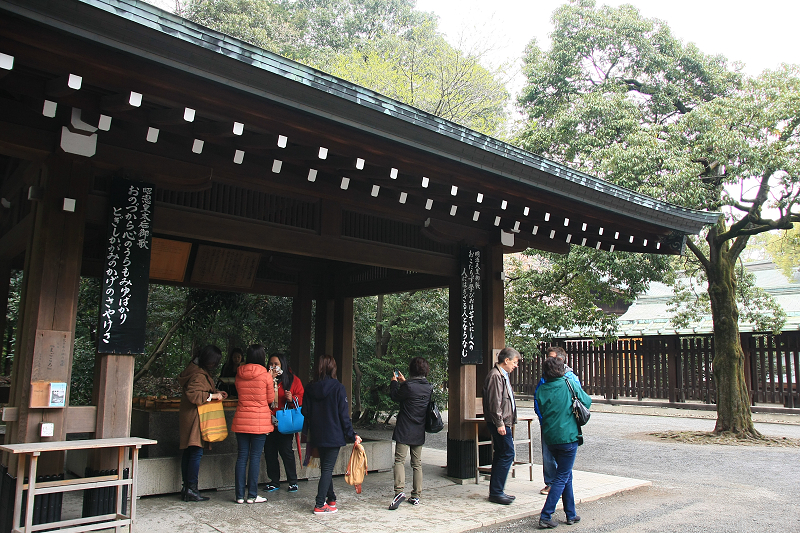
{"points": [[198, 388]]}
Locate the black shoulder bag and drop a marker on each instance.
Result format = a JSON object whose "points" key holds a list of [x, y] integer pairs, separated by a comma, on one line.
{"points": [[580, 411], [433, 419]]}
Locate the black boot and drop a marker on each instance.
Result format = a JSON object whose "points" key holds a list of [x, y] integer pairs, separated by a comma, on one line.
{"points": [[183, 492], [193, 495]]}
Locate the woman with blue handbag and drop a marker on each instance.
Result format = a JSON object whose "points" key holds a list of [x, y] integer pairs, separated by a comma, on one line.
{"points": [[288, 392]]}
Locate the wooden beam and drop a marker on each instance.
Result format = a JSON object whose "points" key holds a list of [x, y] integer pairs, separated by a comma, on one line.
{"points": [[414, 282], [25, 142], [80, 419], [189, 224], [165, 172]]}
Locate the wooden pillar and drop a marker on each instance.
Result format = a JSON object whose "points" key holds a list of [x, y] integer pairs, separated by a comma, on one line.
{"points": [[461, 387], [343, 325], [301, 330], [671, 343], [494, 333], [49, 302], [113, 393], [323, 334]]}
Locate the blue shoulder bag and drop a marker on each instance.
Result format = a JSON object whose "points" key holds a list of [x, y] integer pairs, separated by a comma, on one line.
{"points": [[290, 420]]}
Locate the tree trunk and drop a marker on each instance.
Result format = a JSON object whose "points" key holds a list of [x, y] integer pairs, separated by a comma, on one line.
{"points": [[733, 400]]}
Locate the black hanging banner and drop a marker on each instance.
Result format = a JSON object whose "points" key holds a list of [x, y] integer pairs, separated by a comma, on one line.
{"points": [[471, 307], [123, 308]]}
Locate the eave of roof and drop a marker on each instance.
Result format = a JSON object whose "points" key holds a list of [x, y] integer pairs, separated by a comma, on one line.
{"points": [[346, 103]]}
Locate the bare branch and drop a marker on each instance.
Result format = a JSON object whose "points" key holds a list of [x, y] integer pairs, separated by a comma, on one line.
{"points": [[698, 253]]}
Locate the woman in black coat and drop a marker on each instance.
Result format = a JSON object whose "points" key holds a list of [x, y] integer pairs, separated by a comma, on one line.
{"points": [[327, 424], [414, 394]]}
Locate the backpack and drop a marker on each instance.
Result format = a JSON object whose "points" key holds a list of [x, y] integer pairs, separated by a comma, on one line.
{"points": [[356, 468]]}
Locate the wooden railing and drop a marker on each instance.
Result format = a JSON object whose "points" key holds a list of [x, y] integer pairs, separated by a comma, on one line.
{"points": [[675, 368]]}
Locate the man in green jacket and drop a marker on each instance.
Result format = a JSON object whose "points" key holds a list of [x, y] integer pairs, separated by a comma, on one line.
{"points": [[560, 433]]}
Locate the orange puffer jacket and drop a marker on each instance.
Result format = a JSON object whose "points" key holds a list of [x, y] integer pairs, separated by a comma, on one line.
{"points": [[254, 385]]}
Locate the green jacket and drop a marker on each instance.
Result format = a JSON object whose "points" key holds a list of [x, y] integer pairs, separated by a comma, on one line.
{"points": [[555, 404]]}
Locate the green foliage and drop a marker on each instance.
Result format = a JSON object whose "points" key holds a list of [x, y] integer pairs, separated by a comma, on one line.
{"points": [[82, 382], [421, 69], [548, 293], [414, 325], [384, 45], [12, 316], [269, 25], [604, 96], [309, 31], [784, 250], [618, 96]]}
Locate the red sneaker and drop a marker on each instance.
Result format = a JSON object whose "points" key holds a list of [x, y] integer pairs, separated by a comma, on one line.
{"points": [[331, 504], [325, 509]]}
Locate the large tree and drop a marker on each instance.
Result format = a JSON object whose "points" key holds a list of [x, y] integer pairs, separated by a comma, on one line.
{"points": [[422, 69], [384, 45], [618, 96]]}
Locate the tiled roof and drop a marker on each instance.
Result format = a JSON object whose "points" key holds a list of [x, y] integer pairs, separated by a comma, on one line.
{"points": [[562, 180]]}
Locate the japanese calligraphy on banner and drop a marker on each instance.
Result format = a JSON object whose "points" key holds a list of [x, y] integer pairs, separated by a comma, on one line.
{"points": [[123, 308], [471, 306]]}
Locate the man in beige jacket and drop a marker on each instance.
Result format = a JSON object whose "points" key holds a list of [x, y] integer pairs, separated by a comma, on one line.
{"points": [[500, 412]]}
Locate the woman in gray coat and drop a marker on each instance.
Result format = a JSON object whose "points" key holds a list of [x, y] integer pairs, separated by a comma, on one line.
{"points": [[414, 394]]}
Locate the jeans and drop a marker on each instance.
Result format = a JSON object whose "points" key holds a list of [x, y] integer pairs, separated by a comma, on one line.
{"points": [[400, 452], [564, 454], [190, 465], [327, 460], [250, 446], [501, 461], [548, 463], [278, 442]]}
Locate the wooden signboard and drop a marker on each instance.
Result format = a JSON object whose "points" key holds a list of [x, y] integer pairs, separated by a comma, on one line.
{"points": [[471, 306], [52, 349], [168, 259], [123, 305], [224, 267]]}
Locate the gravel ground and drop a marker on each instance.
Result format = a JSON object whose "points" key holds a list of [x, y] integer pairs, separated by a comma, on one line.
{"points": [[702, 488]]}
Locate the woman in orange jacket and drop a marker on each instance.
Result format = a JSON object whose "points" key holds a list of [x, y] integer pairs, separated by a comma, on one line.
{"points": [[252, 421]]}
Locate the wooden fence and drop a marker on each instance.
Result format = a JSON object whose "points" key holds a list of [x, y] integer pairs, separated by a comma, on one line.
{"points": [[675, 368]]}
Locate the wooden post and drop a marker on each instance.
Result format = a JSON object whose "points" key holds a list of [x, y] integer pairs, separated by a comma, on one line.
{"points": [[343, 343], [301, 330], [113, 393], [494, 333], [323, 332], [49, 302], [747, 348], [461, 458], [671, 344]]}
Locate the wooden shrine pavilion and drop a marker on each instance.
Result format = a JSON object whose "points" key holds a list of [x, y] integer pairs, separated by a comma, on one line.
{"points": [[266, 176]]}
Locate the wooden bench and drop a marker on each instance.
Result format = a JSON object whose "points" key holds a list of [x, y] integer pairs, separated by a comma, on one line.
{"points": [[478, 420], [31, 452]]}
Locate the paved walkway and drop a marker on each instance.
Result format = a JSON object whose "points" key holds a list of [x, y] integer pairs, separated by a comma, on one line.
{"points": [[446, 506]]}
